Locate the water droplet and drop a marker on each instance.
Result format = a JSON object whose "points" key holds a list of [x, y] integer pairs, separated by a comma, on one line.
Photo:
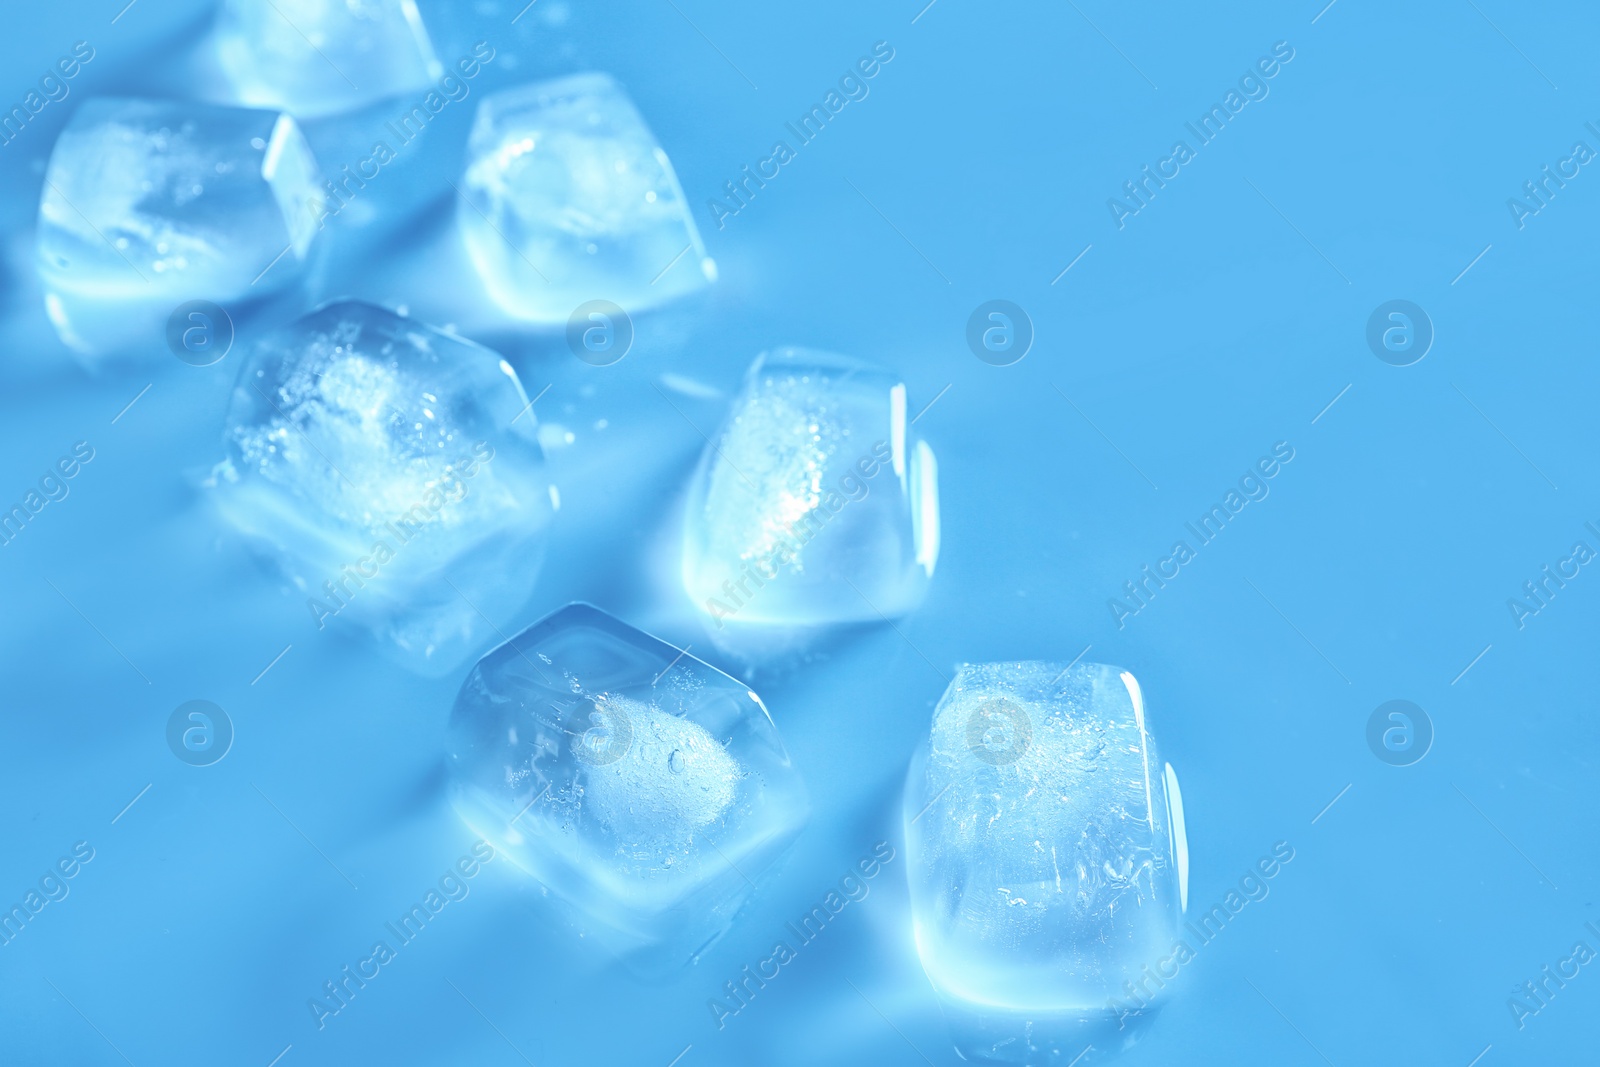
{"points": [[675, 762]]}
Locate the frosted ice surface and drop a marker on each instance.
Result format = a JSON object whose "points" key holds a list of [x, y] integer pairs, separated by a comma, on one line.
{"points": [[318, 57], [396, 470], [673, 781], [814, 504], [1044, 838], [151, 203], [568, 198], [640, 785]]}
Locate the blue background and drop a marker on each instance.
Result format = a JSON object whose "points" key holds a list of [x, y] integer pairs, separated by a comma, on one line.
{"points": [[1189, 342]]}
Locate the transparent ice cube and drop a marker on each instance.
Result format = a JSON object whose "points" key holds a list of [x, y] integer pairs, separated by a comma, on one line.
{"points": [[814, 505], [148, 204], [320, 57], [645, 789], [568, 198], [1046, 854], [395, 469]]}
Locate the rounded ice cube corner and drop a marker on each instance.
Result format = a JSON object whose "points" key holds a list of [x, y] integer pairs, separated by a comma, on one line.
{"points": [[148, 205], [567, 199], [394, 472], [815, 505], [321, 57], [1046, 854], [641, 786]]}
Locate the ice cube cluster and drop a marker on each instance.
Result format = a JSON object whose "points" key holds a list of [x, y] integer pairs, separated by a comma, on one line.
{"points": [[392, 470]]}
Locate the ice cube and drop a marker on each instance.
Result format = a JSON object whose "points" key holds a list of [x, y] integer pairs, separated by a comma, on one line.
{"points": [[395, 469], [148, 204], [319, 57], [815, 504], [568, 198], [1046, 854], [642, 787]]}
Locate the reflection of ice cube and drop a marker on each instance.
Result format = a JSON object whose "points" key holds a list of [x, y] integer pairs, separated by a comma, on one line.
{"points": [[814, 505], [318, 57], [638, 784], [568, 198], [148, 204], [1046, 853], [396, 469]]}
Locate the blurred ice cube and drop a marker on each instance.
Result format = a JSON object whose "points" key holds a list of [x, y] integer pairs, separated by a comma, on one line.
{"points": [[814, 505], [396, 472], [568, 198], [320, 57], [1046, 854], [148, 204], [639, 785]]}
